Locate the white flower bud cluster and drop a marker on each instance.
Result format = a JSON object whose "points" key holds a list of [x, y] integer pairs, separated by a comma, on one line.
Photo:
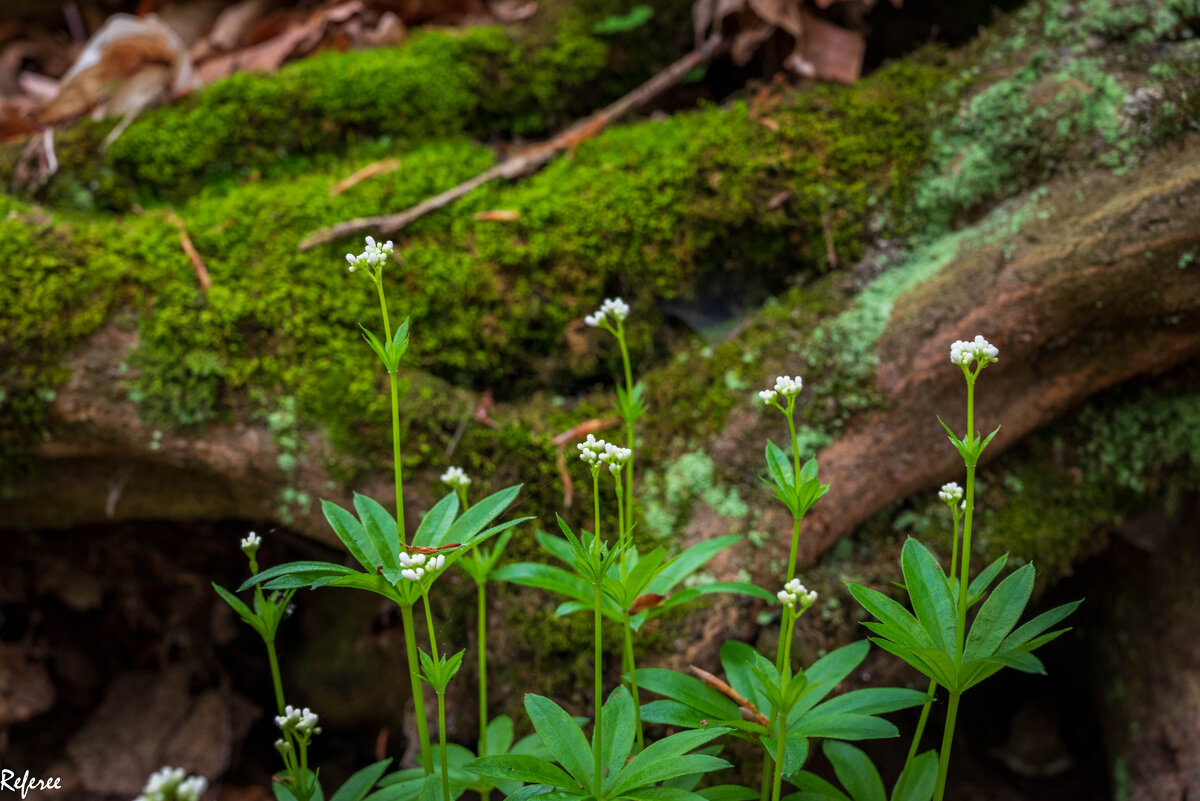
{"points": [[250, 543], [304, 721], [456, 478], [963, 352], [787, 386], [596, 452], [373, 254], [796, 593], [950, 493], [417, 565], [173, 784], [611, 307]]}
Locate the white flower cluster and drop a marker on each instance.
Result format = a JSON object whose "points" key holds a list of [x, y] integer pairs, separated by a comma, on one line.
{"points": [[796, 593], [950, 493], [456, 478], [596, 452], [250, 543], [173, 784], [611, 307], [304, 721], [417, 565], [787, 386], [372, 255], [963, 352]]}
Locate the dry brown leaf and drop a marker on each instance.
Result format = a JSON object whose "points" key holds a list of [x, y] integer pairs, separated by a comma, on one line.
{"points": [[483, 409], [298, 38], [828, 51], [498, 215], [782, 14], [509, 11], [647, 601], [231, 28], [143, 53], [769, 124], [381, 167]]}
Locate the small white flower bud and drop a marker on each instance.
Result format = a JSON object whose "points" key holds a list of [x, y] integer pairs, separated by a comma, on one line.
{"points": [[950, 493], [456, 478]]}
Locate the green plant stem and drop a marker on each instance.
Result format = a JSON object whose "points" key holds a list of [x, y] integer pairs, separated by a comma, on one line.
{"points": [[791, 574], [433, 649], [778, 771], [395, 389], [629, 424], [597, 580], [276, 679], [410, 647], [954, 553], [765, 789], [598, 731], [303, 778], [441, 702], [947, 742], [482, 638], [637, 703], [965, 570], [916, 740]]}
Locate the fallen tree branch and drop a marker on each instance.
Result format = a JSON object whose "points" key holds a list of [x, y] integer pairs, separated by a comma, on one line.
{"points": [[532, 158]]}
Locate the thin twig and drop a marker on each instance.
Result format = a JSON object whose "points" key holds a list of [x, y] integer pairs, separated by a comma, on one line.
{"points": [[185, 242], [531, 158]]}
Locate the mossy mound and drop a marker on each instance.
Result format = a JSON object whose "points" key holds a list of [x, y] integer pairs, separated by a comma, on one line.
{"points": [[483, 82]]}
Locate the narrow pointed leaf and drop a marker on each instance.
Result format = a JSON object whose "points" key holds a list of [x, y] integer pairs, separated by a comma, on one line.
{"points": [[999, 614], [855, 771], [436, 522], [562, 737], [929, 593], [382, 532], [352, 535]]}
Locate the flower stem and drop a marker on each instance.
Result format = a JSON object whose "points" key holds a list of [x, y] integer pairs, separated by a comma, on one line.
{"points": [[433, 649], [777, 773], [597, 579], [637, 703], [791, 574], [965, 569], [276, 679], [598, 730], [916, 741], [629, 433], [410, 647], [441, 702], [947, 742], [395, 390], [482, 638]]}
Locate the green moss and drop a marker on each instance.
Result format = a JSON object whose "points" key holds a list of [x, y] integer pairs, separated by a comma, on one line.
{"points": [[667, 496]]}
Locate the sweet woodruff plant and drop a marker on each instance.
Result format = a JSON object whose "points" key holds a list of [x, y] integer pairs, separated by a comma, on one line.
{"points": [[772, 701]]}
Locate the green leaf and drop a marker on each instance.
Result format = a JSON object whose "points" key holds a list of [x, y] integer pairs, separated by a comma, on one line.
{"points": [[636, 17], [736, 658], [381, 531], [240, 607], [918, 780], [667, 758], [478, 516], [547, 577], [399, 343], [727, 792], [827, 673], [999, 614], [779, 466], [689, 562], [619, 731], [911, 633], [376, 346], [437, 521], [795, 751], [557, 547], [1027, 631], [911, 657], [980, 583], [930, 594], [314, 569], [855, 771], [873, 701], [562, 737], [814, 788], [522, 768], [845, 727], [1021, 660], [359, 784], [352, 535], [499, 735], [662, 794], [688, 690]]}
